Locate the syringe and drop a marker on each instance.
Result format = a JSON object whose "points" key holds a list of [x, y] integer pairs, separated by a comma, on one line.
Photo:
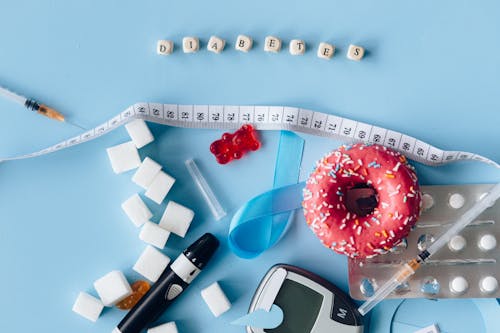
{"points": [[410, 267], [33, 105]]}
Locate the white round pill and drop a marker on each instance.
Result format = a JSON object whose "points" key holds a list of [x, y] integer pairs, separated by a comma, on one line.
{"points": [[457, 243], [427, 201], [488, 285], [458, 285], [487, 242], [456, 201]]}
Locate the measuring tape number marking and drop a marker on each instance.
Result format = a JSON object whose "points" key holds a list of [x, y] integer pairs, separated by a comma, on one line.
{"points": [[269, 118]]}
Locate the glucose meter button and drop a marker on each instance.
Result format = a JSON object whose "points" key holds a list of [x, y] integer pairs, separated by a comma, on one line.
{"points": [[488, 285], [457, 243], [456, 201], [458, 285], [342, 312], [487, 242]]}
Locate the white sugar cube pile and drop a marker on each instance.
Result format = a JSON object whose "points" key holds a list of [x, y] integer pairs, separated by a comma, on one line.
{"points": [[112, 288], [124, 157], [139, 133], [164, 328], [88, 306], [216, 299], [146, 173], [177, 218], [154, 234], [151, 263], [136, 210], [159, 188]]}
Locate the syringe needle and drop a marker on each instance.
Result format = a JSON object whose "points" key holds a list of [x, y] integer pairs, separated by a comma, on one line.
{"points": [[33, 105], [76, 125]]}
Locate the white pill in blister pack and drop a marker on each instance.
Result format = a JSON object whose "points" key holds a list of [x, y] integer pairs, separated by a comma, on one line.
{"points": [[456, 201], [427, 201], [487, 242], [458, 285], [488, 284], [457, 243]]}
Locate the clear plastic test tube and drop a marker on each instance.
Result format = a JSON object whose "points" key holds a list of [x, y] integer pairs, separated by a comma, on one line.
{"points": [[209, 196]]}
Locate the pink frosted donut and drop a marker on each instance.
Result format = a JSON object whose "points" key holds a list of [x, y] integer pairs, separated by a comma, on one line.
{"points": [[362, 200]]}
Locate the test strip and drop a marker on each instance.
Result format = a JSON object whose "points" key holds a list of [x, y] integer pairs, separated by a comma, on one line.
{"points": [[270, 118]]}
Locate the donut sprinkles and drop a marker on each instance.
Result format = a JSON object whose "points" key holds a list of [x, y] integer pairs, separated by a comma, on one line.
{"points": [[362, 200]]}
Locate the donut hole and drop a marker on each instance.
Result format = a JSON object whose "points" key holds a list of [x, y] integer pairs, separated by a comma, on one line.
{"points": [[361, 199]]}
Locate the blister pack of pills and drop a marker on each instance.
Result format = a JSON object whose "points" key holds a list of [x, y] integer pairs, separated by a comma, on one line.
{"points": [[467, 268]]}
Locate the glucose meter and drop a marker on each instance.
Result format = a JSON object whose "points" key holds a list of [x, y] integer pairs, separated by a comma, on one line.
{"points": [[310, 304]]}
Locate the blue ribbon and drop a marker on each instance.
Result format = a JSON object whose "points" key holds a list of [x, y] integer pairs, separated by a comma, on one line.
{"points": [[260, 222]]}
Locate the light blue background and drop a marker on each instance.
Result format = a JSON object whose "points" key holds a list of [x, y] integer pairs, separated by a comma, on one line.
{"points": [[432, 71]]}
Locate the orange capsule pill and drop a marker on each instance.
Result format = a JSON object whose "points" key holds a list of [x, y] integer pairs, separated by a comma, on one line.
{"points": [[139, 289]]}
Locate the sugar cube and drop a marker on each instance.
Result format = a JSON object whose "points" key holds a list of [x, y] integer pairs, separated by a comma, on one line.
{"points": [[190, 44], [272, 44], [164, 47], [88, 306], [165, 328], [151, 263], [216, 44], [159, 187], [243, 43], [112, 288], [153, 234], [325, 51], [136, 210], [146, 173], [297, 47], [177, 218], [139, 133], [355, 52], [216, 299], [124, 157]]}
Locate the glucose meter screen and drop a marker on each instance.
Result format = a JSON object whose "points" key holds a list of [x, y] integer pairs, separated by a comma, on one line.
{"points": [[300, 306]]}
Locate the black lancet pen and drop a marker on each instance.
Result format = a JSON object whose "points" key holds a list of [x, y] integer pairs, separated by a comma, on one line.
{"points": [[172, 282]]}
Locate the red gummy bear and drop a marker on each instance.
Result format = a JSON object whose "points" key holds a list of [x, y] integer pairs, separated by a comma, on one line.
{"points": [[233, 146]]}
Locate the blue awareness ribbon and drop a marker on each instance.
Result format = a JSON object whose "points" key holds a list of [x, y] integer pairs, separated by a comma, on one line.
{"points": [[261, 221]]}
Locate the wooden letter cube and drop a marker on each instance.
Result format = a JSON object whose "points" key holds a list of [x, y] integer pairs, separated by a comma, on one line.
{"points": [[243, 43], [272, 44], [297, 47], [190, 44], [325, 50], [164, 47], [216, 44], [355, 52]]}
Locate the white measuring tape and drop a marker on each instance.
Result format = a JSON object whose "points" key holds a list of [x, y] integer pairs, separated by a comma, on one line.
{"points": [[269, 118]]}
